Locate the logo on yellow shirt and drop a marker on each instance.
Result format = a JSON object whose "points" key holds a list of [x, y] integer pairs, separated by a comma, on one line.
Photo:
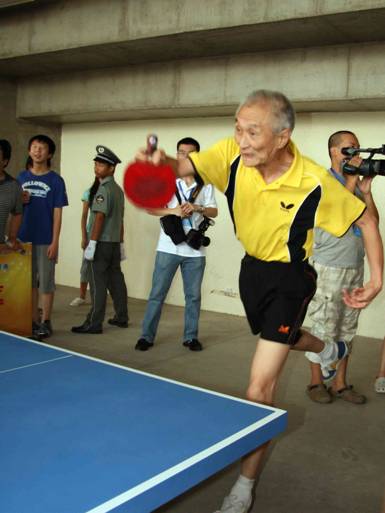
{"points": [[286, 208]]}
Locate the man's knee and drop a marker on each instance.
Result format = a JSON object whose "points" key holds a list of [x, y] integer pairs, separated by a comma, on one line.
{"points": [[261, 391]]}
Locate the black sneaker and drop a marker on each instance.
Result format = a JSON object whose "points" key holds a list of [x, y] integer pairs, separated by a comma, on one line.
{"points": [[193, 345], [143, 344], [35, 331], [45, 329], [87, 328], [120, 324]]}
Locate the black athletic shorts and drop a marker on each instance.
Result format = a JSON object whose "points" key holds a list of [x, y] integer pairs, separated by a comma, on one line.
{"points": [[275, 296]]}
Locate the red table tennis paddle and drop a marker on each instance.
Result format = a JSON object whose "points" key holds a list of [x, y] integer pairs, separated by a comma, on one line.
{"points": [[147, 185]]}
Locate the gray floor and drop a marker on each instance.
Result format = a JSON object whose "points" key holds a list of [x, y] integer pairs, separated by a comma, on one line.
{"points": [[332, 457]]}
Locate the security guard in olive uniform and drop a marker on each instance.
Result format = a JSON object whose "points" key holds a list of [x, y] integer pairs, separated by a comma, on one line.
{"points": [[105, 249]]}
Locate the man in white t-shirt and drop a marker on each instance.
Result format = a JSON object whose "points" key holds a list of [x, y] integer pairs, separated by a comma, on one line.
{"points": [[191, 203]]}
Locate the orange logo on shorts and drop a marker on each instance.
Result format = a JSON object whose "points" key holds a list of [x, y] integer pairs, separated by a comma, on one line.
{"points": [[284, 329]]}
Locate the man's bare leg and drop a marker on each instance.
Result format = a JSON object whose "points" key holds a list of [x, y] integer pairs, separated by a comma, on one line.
{"points": [[308, 342], [266, 367], [381, 372], [316, 377], [46, 303], [339, 382], [328, 355], [83, 289]]}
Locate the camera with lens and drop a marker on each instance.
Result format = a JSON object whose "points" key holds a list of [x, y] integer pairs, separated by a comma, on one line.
{"points": [[368, 167], [197, 238]]}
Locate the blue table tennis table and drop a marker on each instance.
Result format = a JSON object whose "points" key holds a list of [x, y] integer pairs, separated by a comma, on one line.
{"points": [[81, 435]]}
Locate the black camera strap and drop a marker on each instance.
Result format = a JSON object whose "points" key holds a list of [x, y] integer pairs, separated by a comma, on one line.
{"points": [[172, 224], [193, 196], [178, 196]]}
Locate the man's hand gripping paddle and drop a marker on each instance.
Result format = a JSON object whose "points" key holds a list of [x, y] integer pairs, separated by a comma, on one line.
{"points": [[147, 185]]}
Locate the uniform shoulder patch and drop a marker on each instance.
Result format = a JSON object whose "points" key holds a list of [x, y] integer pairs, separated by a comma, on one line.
{"points": [[99, 198]]}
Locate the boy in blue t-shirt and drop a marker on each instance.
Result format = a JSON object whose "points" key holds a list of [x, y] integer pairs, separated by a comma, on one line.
{"points": [[44, 195]]}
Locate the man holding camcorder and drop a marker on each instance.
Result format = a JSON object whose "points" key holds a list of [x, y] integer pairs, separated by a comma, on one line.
{"points": [[339, 262], [181, 244]]}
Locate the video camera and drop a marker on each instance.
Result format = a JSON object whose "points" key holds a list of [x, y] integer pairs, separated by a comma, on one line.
{"points": [[368, 167], [196, 238]]}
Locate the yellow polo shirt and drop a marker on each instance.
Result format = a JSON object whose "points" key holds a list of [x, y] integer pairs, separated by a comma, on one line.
{"points": [[274, 222]]}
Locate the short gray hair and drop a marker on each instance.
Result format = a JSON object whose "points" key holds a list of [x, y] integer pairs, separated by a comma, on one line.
{"points": [[282, 109]]}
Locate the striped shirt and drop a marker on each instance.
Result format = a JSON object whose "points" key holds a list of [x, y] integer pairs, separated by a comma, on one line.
{"points": [[10, 202]]}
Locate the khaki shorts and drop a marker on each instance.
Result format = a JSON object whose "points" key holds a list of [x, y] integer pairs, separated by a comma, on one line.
{"points": [[43, 270], [331, 319]]}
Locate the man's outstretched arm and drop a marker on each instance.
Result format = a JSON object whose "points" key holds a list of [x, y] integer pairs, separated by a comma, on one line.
{"points": [[181, 168], [361, 297]]}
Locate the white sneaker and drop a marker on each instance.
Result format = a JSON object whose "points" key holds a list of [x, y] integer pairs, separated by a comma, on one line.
{"points": [[379, 385], [231, 504], [329, 365], [78, 301]]}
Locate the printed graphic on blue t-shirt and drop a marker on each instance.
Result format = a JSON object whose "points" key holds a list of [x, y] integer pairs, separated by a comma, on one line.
{"points": [[46, 193]]}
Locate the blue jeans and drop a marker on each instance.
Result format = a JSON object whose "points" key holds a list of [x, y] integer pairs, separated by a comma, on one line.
{"points": [[166, 265]]}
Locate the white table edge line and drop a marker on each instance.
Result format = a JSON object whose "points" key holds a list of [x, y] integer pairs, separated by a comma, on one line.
{"points": [[180, 467], [136, 371]]}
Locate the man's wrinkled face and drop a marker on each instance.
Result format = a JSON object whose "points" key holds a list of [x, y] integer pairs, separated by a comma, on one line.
{"points": [[254, 134], [39, 152]]}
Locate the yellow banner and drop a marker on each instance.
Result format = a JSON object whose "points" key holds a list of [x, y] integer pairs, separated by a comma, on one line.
{"points": [[16, 291]]}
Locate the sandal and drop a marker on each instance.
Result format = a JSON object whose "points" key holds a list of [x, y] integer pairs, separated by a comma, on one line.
{"points": [[379, 385], [319, 393], [348, 394]]}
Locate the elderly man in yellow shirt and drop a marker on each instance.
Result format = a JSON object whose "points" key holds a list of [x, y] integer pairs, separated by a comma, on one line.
{"points": [[276, 198]]}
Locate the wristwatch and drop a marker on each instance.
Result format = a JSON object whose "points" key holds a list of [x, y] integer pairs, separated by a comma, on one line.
{"points": [[201, 209]]}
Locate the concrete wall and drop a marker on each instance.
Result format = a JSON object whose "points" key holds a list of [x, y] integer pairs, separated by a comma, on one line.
{"points": [[8, 118], [18, 132], [333, 78], [109, 65], [111, 60], [78, 150], [88, 23]]}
